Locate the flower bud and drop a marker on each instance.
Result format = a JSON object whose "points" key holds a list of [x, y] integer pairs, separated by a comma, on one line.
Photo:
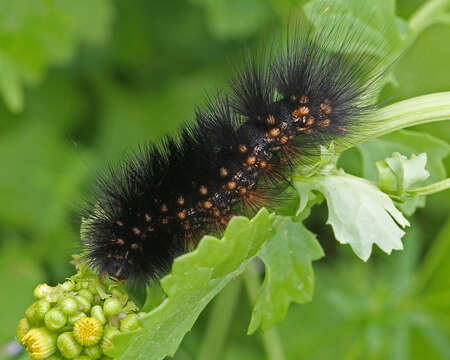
{"points": [[97, 312], [68, 346], [83, 303], [55, 320], [82, 357], [112, 306], [86, 294], [75, 317], [30, 314], [88, 331], [69, 306], [107, 341], [68, 286], [40, 343], [42, 290], [93, 352], [42, 306], [129, 322], [22, 329]]}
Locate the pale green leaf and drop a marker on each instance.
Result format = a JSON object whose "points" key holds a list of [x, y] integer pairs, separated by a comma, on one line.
{"points": [[289, 276], [359, 213], [195, 279]]}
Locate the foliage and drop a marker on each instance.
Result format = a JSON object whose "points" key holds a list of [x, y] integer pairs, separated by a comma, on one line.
{"points": [[146, 65]]}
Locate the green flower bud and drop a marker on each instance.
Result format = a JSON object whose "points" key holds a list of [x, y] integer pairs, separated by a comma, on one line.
{"points": [[129, 322], [68, 346], [68, 286], [83, 303], [42, 290], [75, 317], [30, 314], [83, 357], [93, 352], [112, 306], [107, 341], [42, 306], [97, 312], [54, 357], [40, 343], [55, 320], [86, 294], [88, 331], [69, 306], [84, 285], [93, 288], [22, 329]]}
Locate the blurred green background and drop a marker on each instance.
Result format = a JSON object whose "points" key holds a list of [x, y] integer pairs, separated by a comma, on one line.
{"points": [[83, 82]]}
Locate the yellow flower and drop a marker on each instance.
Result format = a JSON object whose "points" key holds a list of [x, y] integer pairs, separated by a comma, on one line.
{"points": [[40, 343], [88, 331]]}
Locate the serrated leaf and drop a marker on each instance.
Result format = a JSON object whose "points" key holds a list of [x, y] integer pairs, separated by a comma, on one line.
{"points": [[289, 276], [359, 213], [195, 279]]}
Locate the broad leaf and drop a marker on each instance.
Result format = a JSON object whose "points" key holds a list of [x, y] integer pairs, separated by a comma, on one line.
{"points": [[195, 279], [289, 276], [359, 213]]}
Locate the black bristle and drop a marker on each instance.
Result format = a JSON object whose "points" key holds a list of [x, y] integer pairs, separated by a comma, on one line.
{"points": [[232, 159]]}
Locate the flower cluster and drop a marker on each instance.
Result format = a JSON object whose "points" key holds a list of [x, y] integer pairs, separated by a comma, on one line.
{"points": [[76, 319]]}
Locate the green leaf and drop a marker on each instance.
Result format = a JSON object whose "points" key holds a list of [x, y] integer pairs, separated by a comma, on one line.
{"points": [[359, 213], [195, 279], [38, 34], [374, 20], [289, 276], [407, 143]]}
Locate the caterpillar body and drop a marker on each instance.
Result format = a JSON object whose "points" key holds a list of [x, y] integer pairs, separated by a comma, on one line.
{"points": [[237, 154]]}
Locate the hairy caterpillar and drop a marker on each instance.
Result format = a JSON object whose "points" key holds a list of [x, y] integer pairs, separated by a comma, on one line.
{"points": [[237, 154]]}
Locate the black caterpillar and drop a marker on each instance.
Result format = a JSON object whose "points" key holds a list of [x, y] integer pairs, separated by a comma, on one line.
{"points": [[235, 157]]}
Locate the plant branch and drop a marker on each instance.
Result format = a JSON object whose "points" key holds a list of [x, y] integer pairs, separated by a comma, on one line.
{"points": [[270, 339], [415, 111], [427, 14], [430, 189], [219, 321]]}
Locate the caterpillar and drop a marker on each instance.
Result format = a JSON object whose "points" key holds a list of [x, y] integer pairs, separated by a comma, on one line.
{"points": [[238, 153]]}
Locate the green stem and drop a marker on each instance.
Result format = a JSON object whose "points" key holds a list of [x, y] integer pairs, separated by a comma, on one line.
{"points": [[219, 321], [430, 189], [427, 14], [433, 258], [415, 111], [270, 339]]}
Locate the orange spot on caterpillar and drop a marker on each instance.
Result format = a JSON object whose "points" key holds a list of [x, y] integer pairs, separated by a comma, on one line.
{"points": [[309, 120], [284, 139], [262, 164], [270, 120], [231, 185], [293, 98], [136, 231], [251, 160], [203, 190], [216, 212], [187, 225], [164, 208], [242, 148], [120, 223], [223, 172], [301, 111], [148, 218], [120, 241], [326, 108], [207, 204], [134, 246], [304, 99], [324, 123], [182, 214], [180, 200], [165, 220], [242, 190], [273, 133]]}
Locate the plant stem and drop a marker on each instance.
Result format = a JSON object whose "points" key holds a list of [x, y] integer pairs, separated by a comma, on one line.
{"points": [[270, 339], [427, 15], [433, 258], [415, 111], [219, 321], [431, 189]]}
